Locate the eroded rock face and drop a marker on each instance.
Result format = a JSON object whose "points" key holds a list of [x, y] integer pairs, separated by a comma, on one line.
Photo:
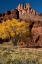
{"points": [[26, 9], [37, 36], [36, 31], [27, 12]]}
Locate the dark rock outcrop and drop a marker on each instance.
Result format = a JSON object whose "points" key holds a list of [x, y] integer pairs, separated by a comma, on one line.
{"points": [[9, 15]]}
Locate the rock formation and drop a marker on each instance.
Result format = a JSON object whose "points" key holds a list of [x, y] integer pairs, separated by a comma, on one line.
{"points": [[34, 19], [26, 9]]}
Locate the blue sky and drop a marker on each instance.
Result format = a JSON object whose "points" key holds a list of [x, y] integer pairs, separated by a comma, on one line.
{"points": [[12, 4]]}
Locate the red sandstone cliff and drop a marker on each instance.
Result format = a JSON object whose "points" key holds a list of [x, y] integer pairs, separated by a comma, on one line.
{"points": [[35, 21]]}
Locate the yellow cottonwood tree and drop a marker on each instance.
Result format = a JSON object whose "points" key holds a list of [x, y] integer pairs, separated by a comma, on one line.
{"points": [[14, 29]]}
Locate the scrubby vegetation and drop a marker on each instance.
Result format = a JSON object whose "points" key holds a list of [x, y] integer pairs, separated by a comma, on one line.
{"points": [[14, 30], [14, 55]]}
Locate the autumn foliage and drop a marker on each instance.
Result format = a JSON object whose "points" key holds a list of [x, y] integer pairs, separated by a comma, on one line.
{"points": [[14, 29]]}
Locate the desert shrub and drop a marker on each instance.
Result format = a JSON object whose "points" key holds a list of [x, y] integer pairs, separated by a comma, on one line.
{"points": [[15, 30]]}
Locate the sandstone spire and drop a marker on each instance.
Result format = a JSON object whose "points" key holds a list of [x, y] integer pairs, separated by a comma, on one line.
{"points": [[19, 7], [25, 9], [27, 5]]}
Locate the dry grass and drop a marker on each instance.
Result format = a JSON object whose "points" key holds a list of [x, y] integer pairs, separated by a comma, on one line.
{"points": [[16, 55]]}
